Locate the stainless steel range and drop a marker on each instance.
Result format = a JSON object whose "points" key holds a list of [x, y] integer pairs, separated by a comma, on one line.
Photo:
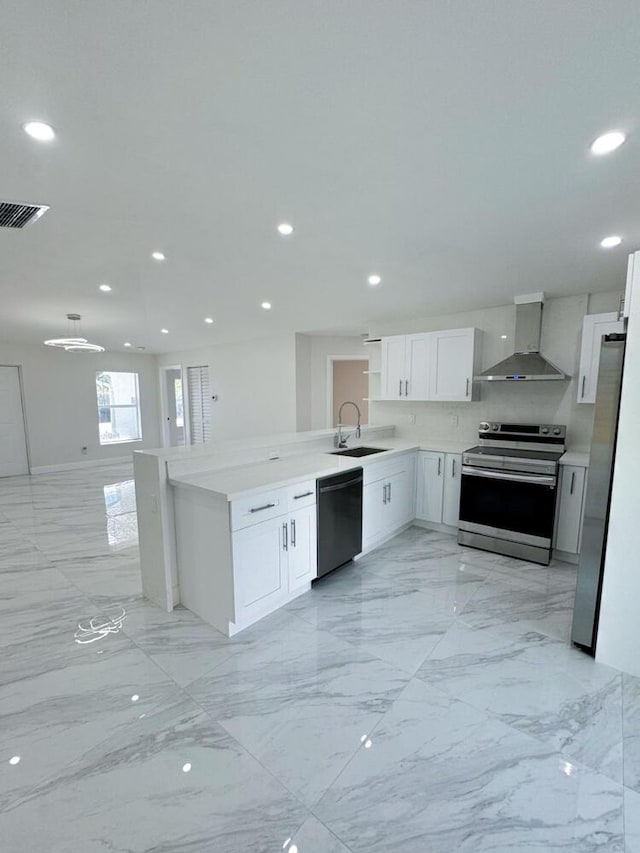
{"points": [[508, 489]]}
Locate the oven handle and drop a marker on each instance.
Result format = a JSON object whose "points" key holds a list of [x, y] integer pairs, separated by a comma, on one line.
{"points": [[537, 479]]}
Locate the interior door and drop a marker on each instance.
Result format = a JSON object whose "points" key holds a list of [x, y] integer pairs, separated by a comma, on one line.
{"points": [[13, 442], [175, 406]]}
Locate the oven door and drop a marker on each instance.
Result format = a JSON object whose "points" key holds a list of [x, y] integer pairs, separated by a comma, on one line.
{"points": [[508, 505]]}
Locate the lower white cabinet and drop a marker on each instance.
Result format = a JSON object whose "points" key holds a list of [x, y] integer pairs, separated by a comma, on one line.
{"points": [[302, 548], [438, 495], [387, 499], [259, 568], [570, 508]]}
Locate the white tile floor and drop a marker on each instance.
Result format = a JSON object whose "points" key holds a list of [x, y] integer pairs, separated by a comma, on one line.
{"points": [[425, 699]]}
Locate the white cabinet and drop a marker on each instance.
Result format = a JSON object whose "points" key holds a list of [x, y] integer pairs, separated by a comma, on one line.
{"points": [[451, 364], [302, 550], [388, 499], [633, 281], [594, 326], [429, 366], [405, 367], [439, 487], [570, 508], [260, 569], [451, 497]]}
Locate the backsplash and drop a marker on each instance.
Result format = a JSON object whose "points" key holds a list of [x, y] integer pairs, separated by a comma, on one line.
{"points": [[548, 402]]}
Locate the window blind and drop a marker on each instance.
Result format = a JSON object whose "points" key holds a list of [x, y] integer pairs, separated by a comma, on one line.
{"points": [[199, 404]]}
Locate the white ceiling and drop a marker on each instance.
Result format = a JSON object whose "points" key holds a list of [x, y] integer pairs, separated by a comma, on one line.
{"points": [[441, 144]]}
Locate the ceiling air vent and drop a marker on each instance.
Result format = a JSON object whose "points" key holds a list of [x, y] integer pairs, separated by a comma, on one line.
{"points": [[17, 215]]}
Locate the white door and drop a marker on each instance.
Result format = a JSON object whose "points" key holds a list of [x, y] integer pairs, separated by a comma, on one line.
{"points": [[392, 386], [303, 561], [451, 364], [451, 498], [417, 367], [430, 486], [259, 567], [173, 407], [594, 326], [13, 443]]}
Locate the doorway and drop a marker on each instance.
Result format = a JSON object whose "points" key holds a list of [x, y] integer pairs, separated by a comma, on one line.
{"points": [[348, 380], [172, 394], [13, 438]]}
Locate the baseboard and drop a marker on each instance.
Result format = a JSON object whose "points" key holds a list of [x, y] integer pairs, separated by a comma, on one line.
{"points": [[68, 466], [439, 528], [565, 556]]}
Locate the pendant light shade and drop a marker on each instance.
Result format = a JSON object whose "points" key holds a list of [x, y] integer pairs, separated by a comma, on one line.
{"points": [[74, 343]]}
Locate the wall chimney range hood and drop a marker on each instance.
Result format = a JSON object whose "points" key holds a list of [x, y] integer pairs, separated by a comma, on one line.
{"points": [[526, 364]]}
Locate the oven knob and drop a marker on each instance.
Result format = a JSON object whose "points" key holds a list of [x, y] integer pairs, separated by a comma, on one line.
{"points": [[484, 427], [544, 430], [495, 427], [556, 431]]}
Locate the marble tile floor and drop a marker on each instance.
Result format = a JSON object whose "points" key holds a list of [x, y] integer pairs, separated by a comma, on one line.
{"points": [[423, 699]]}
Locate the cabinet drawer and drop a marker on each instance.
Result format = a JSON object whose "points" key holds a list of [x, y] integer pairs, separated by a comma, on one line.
{"points": [[301, 495], [384, 470], [257, 508]]}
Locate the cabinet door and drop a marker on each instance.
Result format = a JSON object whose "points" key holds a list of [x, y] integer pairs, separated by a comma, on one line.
{"points": [[417, 351], [451, 364], [302, 553], [259, 568], [398, 506], [430, 486], [393, 373], [594, 326], [451, 502], [633, 281], [570, 501], [374, 516]]}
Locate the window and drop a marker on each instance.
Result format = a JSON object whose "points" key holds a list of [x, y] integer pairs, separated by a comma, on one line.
{"points": [[118, 407], [199, 404]]}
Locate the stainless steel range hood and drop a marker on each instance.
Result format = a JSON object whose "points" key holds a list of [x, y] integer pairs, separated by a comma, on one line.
{"points": [[526, 363]]}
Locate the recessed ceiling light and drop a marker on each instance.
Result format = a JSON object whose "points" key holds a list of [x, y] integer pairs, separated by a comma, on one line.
{"points": [[208, 319], [374, 280], [39, 130], [285, 229], [504, 337], [266, 306], [611, 242], [127, 344], [105, 288], [608, 142], [165, 331], [158, 256]]}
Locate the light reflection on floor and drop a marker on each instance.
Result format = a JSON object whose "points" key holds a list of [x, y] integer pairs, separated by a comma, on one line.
{"points": [[120, 507]]}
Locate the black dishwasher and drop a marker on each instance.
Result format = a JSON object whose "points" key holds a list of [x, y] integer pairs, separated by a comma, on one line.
{"points": [[339, 519]]}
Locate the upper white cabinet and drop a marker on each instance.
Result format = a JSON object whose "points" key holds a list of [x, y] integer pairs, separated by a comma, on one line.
{"points": [[633, 281], [451, 364], [428, 366], [594, 327]]}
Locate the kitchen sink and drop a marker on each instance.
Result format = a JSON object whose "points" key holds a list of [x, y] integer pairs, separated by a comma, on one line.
{"points": [[359, 451]]}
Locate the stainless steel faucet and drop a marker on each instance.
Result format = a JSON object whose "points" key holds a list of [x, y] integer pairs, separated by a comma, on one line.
{"points": [[340, 440]]}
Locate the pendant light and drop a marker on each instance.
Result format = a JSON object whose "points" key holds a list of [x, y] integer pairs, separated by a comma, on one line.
{"points": [[74, 343]]}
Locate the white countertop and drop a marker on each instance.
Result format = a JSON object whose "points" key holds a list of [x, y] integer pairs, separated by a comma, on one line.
{"points": [[232, 483], [573, 457]]}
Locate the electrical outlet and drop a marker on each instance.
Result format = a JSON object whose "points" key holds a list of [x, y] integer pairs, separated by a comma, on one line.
{"points": [[453, 420], [412, 418]]}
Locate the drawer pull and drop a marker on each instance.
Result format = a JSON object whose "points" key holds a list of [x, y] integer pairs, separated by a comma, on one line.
{"points": [[285, 536], [304, 495], [260, 508], [573, 480]]}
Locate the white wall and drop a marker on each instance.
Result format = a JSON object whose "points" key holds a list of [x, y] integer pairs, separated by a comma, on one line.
{"points": [[315, 351], [303, 383], [551, 402], [61, 405], [619, 629], [255, 382]]}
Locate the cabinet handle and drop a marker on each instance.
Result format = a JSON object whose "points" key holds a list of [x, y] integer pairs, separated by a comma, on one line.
{"points": [[285, 536], [439, 465], [466, 392], [384, 493], [260, 508], [304, 495], [400, 388], [389, 492], [406, 387], [293, 533], [453, 467], [584, 379], [573, 480]]}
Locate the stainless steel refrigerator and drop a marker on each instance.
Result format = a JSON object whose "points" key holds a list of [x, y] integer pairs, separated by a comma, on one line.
{"points": [[598, 497]]}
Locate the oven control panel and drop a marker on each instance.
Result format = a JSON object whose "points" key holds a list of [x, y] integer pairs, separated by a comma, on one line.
{"points": [[522, 432]]}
